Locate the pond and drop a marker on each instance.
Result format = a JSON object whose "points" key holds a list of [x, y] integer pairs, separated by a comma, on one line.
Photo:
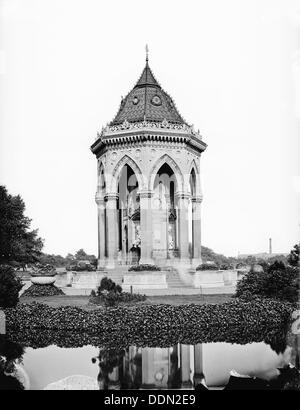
{"points": [[177, 366]]}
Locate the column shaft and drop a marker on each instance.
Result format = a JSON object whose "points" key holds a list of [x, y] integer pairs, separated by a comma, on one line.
{"points": [[183, 225], [112, 229], [146, 227], [197, 230], [101, 231]]}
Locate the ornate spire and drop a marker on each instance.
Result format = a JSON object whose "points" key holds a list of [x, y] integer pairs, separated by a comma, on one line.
{"points": [[147, 101]]}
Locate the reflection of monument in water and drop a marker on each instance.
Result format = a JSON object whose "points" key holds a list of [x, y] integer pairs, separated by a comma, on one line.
{"points": [[150, 368], [183, 366]]}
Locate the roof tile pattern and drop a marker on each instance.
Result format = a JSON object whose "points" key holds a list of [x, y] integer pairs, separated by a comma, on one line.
{"points": [[147, 101]]}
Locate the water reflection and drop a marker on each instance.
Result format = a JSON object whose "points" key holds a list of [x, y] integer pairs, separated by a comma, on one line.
{"points": [[179, 366]]}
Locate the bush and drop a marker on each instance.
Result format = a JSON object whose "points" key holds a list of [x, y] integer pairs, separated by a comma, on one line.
{"points": [[109, 286], [81, 266], [226, 267], [208, 266], [10, 286], [145, 267], [161, 325], [111, 294], [42, 290], [278, 282]]}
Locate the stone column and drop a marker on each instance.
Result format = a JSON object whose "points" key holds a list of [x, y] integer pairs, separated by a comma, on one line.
{"points": [[146, 227], [183, 225], [101, 231], [112, 229], [196, 202]]}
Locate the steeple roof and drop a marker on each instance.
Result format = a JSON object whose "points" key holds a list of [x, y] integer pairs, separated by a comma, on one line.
{"points": [[147, 101]]}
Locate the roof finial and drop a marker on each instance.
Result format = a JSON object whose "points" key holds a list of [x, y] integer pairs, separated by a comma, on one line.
{"points": [[147, 52]]}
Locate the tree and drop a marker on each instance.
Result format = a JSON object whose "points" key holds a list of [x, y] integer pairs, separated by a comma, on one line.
{"points": [[293, 257], [208, 255], [81, 255], [17, 242], [277, 282], [10, 286]]}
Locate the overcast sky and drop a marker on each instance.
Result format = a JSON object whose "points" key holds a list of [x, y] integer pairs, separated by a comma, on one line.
{"points": [[233, 69]]}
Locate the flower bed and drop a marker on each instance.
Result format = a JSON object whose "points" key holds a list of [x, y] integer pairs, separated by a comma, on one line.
{"points": [[145, 267], [42, 290], [160, 325]]}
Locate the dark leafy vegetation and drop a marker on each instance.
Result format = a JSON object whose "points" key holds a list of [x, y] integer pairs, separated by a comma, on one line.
{"points": [[10, 286], [108, 285], [110, 294], [18, 244], [42, 290], [143, 267], [207, 266], [9, 352], [279, 282], [159, 325]]}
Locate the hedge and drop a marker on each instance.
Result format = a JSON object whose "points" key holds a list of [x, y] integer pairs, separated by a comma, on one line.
{"points": [[156, 325]]}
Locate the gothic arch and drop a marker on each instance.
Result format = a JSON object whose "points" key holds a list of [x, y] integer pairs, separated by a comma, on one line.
{"points": [[193, 166], [166, 159], [101, 177], [126, 160]]}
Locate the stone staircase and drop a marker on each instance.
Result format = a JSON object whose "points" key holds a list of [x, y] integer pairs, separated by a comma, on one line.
{"points": [[174, 281]]}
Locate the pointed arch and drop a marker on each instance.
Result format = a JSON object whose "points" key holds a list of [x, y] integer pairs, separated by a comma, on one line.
{"points": [[194, 168], [125, 160], [101, 177], [166, 159]]}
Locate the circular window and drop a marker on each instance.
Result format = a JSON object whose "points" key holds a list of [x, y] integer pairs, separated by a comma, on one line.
{"points": [[135, 100], [156, 100]]}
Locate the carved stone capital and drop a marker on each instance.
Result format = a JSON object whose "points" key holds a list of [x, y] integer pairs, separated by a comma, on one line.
{"points": [[112, 196], [182, 195], [197, 199], [145, 194], [99, 199]]}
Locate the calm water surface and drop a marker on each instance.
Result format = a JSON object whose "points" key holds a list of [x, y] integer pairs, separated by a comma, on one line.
{"points": [[134, 367]]}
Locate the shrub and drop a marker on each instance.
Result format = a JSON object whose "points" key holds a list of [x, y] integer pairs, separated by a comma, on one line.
{"points": [[278, 282], [161, 325], [143, 267], [226, 266], [81, 266], [42, 290], [10, 286], [207, 266], [109, 286]]}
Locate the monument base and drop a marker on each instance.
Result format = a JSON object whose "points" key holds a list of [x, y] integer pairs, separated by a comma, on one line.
{"points": [[144, 280], [87, 280], [208, 279]]}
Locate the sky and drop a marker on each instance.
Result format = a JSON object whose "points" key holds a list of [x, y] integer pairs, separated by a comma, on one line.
{"points": [[233, 69]]}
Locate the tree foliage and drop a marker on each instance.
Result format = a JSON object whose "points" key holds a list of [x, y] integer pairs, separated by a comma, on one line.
{"points": [[10, 286], [18, 243], [208, 255], [278, 281], [293, 257]]}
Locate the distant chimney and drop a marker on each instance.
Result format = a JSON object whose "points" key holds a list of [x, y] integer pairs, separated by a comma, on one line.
{"points": [[270, 246]]}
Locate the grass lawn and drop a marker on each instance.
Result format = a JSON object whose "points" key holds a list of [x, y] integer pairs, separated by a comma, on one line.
{"points": [[83, 301]]}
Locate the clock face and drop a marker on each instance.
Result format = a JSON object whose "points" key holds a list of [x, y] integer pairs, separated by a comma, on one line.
{"points": [[156, 100], [135, 100]]}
